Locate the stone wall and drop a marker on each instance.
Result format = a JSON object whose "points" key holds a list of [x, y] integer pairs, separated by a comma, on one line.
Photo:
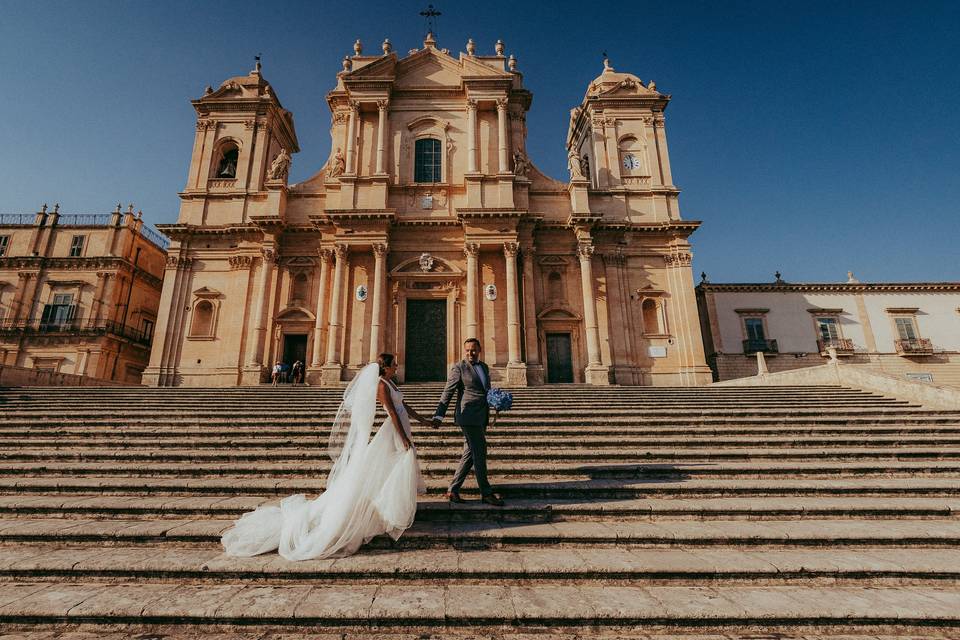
{"points": [[21, 377]]}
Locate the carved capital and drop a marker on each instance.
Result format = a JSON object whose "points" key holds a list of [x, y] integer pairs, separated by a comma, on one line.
{"points": [[340, 117], [614, 258], [354, 107], [502, 104], [471, 249], [249, 123], [380, 250], [269, 255], [325, 255], [510, 249], [679, 259], [240, 262], [26, 275], [659, 122], [382, 105], [471, 105], [585, 250], [342, 251]]}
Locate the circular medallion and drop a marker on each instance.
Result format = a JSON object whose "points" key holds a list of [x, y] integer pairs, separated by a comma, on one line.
{"points": [[490, 292], [361, 292]]}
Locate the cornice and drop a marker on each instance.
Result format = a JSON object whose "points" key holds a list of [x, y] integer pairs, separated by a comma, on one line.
{"points": [[491, 212], [831, 287]]}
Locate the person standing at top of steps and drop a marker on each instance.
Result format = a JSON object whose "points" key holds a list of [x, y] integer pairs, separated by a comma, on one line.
{"points": [[470, 380]]}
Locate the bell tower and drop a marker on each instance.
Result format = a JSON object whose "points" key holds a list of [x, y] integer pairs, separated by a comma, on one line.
{"points": [[618, 140], [242, 130]]}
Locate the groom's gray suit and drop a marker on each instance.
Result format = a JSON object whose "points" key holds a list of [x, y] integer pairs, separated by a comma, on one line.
{"points": [[472, 415]]}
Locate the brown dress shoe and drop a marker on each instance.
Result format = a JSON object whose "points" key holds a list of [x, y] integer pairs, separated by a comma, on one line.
{"points": [[453, 496], [493, 499]]}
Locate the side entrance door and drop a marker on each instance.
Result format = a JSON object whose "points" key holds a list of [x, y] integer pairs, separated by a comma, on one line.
{"points": [[559, 358]]}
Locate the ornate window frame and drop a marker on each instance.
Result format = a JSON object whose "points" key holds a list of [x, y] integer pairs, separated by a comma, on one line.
{"points": [[428, 127]]}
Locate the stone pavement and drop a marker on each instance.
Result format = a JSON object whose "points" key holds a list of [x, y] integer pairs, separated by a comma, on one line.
{"points": [[791, 513]]}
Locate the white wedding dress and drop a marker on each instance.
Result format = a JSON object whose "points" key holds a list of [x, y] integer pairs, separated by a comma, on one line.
{"points": [[372, 488]]}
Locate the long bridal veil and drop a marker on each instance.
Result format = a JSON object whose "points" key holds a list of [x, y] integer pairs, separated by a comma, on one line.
{"points": [[371, 489]]}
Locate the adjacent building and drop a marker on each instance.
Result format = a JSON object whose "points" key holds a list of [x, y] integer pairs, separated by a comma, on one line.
{"points": [[427, 225], [79, 294], [910, 330]]}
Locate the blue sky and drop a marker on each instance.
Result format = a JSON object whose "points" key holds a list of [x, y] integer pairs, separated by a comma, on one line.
{"points": [[811, 137]]}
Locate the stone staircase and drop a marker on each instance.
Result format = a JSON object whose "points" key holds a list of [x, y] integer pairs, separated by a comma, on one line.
{"points": [[801, 512]]}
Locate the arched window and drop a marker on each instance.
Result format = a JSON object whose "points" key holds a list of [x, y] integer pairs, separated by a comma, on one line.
{"points": [[227, 164], [301, 287], [651, 316], [427, 161], [202, 319]]}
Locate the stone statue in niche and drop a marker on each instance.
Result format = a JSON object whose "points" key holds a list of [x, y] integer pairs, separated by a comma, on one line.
{"points": [[338, 164], [280, 168], [574, 164], [520, 163]]}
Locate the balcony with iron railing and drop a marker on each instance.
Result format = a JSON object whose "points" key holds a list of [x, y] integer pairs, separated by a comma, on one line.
{"points": [[752, 346], [914, 347], [843, 346], [74, 327]]}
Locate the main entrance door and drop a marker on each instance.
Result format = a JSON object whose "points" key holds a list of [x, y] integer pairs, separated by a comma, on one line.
{"points": [[294, 348], [559, 358], [425, 359]]}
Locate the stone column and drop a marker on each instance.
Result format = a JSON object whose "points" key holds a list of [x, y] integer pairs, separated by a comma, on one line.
{"points": [[595, 372], [504, 165], [530, 308], [97, 299], [382, 137], [513, 303], [326, 256], [351, 165], [333, 365], [471, 136], [379, 296], [260, 311], [472, 251]]}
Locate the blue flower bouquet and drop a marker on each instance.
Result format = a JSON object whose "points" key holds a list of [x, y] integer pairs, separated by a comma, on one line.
{"points": [[499, 400]]}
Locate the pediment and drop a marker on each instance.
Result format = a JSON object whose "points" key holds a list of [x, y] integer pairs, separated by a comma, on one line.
{"points": [[557, 313], [384, 67], [416, 266], [627, 87], [206, 292], [428, 69], [292, 314]]}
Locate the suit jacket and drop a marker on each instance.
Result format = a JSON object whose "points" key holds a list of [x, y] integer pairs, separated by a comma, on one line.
{"points": [[471, 408]]}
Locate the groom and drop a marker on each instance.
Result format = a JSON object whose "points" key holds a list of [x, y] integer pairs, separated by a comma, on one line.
{"points": [[470, 379]]}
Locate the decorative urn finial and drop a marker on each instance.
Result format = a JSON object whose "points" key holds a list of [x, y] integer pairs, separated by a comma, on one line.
{"points": [[471, 47], [386, 46], [357, 47], [499, 47], [347, 64], [512, 63]]}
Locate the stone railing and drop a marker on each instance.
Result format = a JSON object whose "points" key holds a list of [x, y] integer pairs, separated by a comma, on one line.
{"points": [[847, 375], [914, 347]]}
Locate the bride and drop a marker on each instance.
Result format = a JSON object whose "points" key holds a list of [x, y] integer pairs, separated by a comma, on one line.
{"points": [[372, 487]]}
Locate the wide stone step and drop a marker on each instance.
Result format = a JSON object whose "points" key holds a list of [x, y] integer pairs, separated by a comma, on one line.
{"points": [[522, 487], [30, 442], [397, 606], [650, 471], [691, 434], [428, 451], [875, 565], [434, 535], [438, 509]]}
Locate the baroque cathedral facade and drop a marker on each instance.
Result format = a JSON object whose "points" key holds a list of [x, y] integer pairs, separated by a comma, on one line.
{"points": [[428, 225]]}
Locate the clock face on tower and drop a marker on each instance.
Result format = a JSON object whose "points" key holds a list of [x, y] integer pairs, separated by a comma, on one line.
{"points": [[631, 162]]}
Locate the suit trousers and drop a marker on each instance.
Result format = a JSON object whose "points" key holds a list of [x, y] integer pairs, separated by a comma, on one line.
{"points": [[474, 456]]}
